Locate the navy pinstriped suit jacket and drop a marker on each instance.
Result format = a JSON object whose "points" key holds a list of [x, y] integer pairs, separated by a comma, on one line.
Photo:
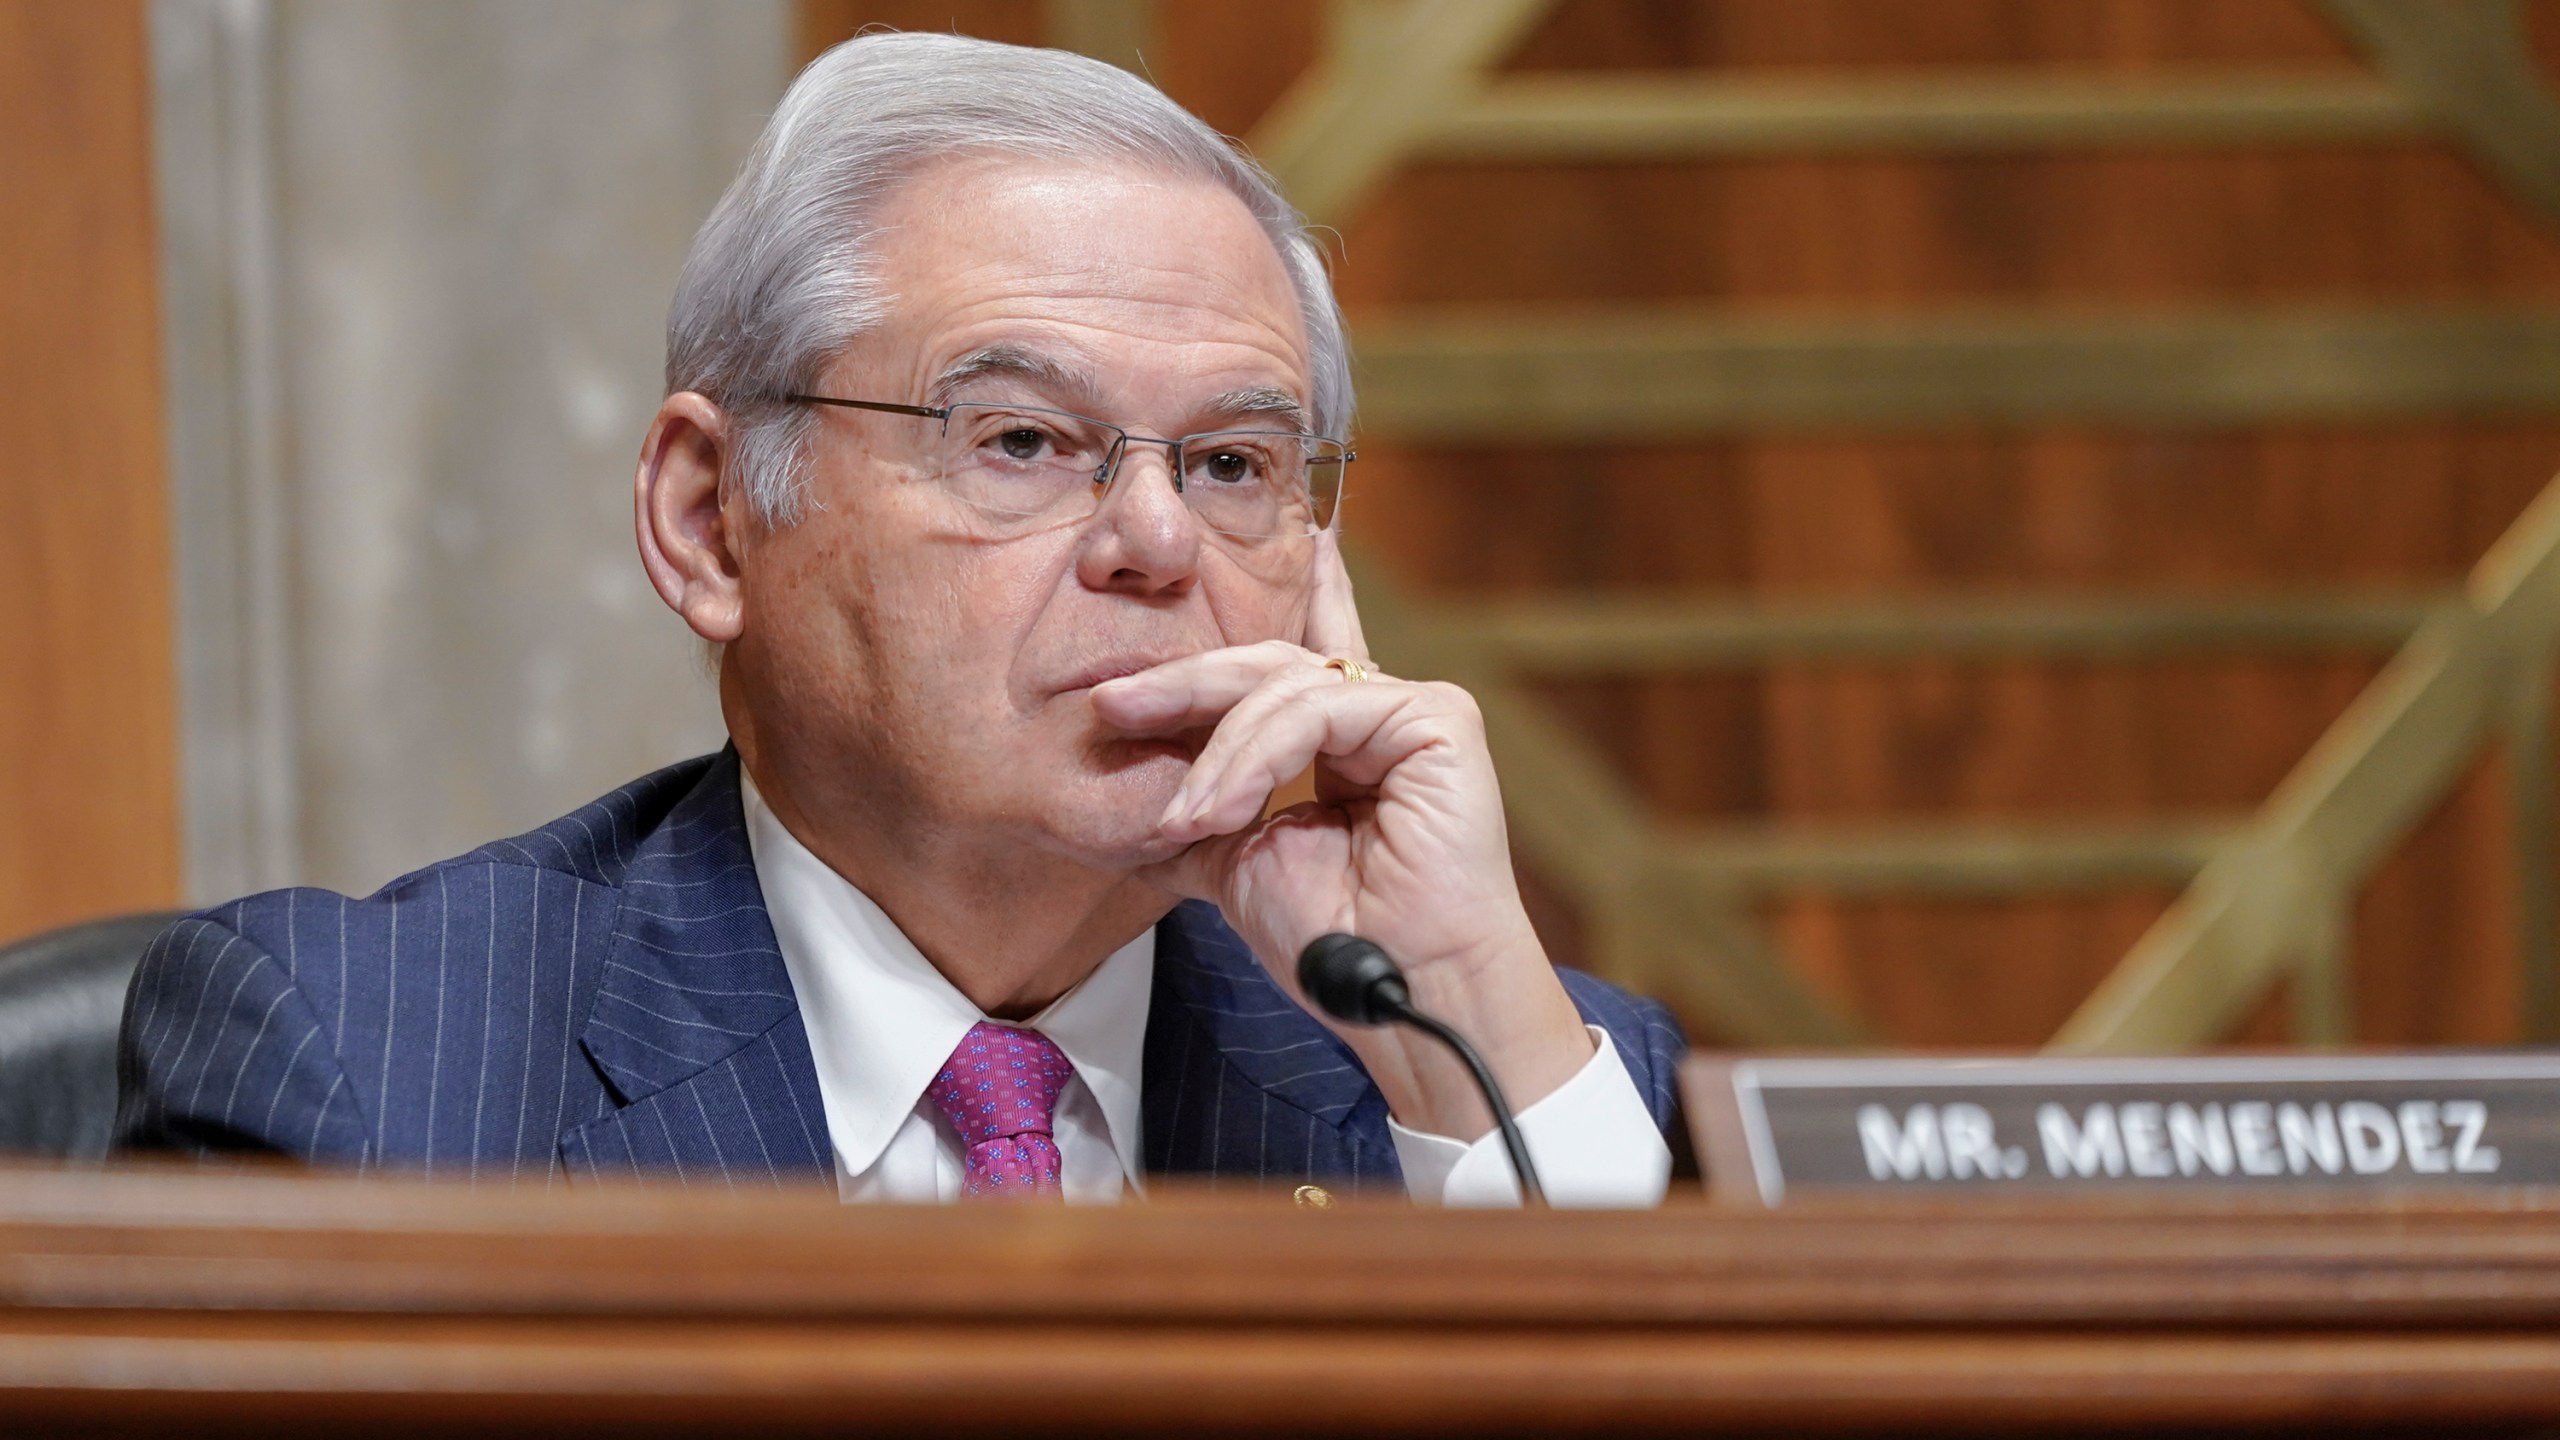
{"points": [[603, 996]]}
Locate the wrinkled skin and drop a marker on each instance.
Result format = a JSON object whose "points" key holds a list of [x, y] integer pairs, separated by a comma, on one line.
{"points": [[1026, 746]]}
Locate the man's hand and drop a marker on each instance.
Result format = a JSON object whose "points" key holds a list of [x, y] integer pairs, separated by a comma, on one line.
{"points": [[1404, 845]]}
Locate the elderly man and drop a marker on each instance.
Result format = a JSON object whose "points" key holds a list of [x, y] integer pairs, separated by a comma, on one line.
{"points": [[1000, 462]]}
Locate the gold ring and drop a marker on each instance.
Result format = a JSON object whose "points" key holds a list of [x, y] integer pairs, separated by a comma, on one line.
{"points": [[1353, 672]]}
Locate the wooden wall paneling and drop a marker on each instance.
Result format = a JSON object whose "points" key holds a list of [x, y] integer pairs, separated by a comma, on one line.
{"points": [[2353, 799], [2472, 65], [2060, 229], [1354, 116], [1859, 35], [1908, 518], [2179, 512], [88, 738], [1127, 33], [2432, 953], [822, 23], [1224, 62], [1872, 236], [2542, 35], [2012, 510], [1603, 634], [1663, 372], [1230, 63], [1959, 973], [1576, 821], [2530, 774], [1654, 116]]}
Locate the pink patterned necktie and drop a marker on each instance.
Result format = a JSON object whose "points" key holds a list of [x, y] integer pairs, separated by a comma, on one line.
{"points": [[1000, 1091]]}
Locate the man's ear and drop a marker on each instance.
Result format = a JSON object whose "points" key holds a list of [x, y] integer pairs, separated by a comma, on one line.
{"points": [[687, 544]]}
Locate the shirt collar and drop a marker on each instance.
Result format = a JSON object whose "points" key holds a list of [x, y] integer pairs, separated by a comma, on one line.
{"points": [[881, 1020]]}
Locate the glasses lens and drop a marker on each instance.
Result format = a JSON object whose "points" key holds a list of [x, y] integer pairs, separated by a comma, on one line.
{"points": [[1039, 466], [1257, 483], [1021, 460]]}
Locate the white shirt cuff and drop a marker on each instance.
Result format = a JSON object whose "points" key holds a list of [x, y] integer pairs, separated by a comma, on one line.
{"points": [[1593, 1141]]}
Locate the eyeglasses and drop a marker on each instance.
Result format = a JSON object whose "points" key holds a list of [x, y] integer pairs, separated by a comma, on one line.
{"points": [[1036, 467]]}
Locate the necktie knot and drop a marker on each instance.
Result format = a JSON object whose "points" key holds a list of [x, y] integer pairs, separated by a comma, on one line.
{"points": [[1000, 1092]]}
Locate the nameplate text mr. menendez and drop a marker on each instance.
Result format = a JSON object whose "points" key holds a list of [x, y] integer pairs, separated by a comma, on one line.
{"points": [[1771, 1128]]}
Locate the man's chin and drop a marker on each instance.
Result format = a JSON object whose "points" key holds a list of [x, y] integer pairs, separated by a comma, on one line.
{"points": [[1110, 820], [1110, 842]]}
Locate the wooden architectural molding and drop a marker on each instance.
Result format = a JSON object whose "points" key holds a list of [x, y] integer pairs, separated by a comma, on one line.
{"points": [[1577, 821], [1666, 117], [2273, 897], [1127, 33], [1394, 72], [1630, 375], [2467, 63], [1943, 857], [1584, 634], [2270, 898]]}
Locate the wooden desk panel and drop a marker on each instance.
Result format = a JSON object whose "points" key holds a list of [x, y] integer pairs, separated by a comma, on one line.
{"points": [[172, 1300]]}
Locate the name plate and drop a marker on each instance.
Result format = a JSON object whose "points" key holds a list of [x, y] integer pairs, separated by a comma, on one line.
{"points": [[1769, 1129]]}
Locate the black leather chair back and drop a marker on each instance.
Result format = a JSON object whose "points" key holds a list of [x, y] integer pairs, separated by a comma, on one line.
{"points": [[61, 1000]]}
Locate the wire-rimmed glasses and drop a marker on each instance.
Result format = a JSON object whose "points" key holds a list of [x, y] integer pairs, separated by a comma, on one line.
{"points": [[1037, 466]]}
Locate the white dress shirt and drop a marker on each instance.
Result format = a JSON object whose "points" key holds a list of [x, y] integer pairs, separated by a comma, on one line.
{"points": [[881, 1021]]}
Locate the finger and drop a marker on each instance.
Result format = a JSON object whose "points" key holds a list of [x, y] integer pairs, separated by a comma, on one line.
{"points": [[1365, 730], [1194, 690], [1201, 871], [1333, 621], [1212, 870], [1245, 718]]}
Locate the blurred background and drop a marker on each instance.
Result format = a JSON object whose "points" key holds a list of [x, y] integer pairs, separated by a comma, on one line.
{"points": [[1974, 522]]}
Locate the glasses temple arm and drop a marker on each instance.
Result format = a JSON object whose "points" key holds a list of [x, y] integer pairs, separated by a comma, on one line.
{"points": [[927, 411]]}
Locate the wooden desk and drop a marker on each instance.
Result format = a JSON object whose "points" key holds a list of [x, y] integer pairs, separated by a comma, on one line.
{"points": [[178, 1301]]}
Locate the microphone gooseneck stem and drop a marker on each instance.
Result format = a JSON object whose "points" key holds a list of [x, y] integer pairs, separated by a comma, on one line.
{"points": [[1531, 1192], [1353, 980]]}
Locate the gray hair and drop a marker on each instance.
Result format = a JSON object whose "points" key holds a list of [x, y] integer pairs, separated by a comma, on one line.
{"points": [[781, 279]]}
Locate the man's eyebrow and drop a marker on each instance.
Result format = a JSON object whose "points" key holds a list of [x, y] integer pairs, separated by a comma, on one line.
{"points": [[1056, 379], [1268, 400], [1011, 362]]}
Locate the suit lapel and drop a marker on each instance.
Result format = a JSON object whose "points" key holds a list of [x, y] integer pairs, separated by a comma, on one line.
{"points": [[695, 1027], [1240, 1082], [698, 1035]]}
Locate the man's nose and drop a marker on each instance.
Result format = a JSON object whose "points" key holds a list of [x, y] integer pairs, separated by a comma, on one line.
{"points": [[1145, 539]]}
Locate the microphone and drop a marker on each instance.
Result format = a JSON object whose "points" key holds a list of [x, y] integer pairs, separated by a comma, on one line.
{"points": [[1353, 981]]}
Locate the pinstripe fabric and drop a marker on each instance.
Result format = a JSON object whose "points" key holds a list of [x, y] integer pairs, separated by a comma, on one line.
{"points": [[604, 997], [601, 995]]}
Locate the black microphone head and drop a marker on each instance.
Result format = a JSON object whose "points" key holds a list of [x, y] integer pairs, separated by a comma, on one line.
{"points": [[1351, 979]]}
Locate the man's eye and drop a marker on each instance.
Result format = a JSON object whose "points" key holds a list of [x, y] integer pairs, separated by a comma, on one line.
{"points": [[1022, 444], [1229, 467]]}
